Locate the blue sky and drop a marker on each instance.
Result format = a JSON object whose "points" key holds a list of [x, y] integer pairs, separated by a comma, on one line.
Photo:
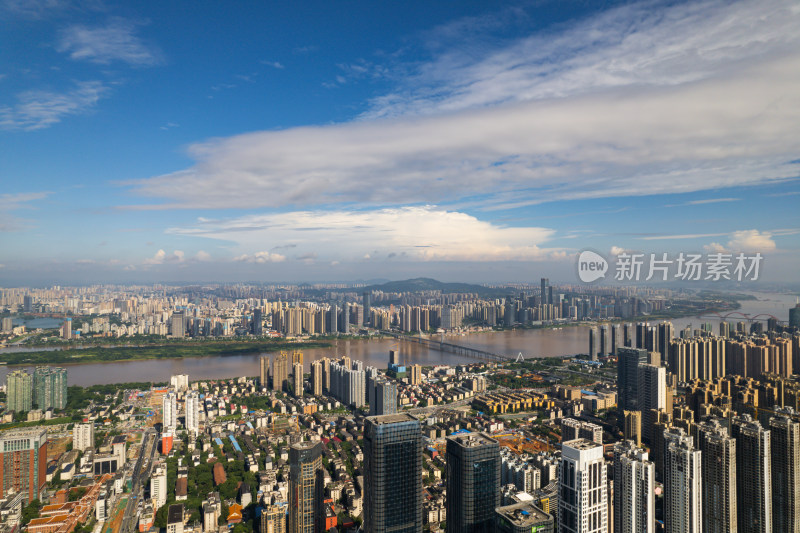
{"points": [[475, 141]]}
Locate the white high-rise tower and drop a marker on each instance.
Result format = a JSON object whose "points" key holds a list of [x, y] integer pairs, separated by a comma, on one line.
{"points": [[583, 494], [193, 412], [682, 484], [634, 489], [170, 411]]}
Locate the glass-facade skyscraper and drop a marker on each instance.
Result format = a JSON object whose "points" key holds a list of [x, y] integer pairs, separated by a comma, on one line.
{"points": [[753, 475], [628, 361], [384, 397], [473, 479], [305, 487], [50, 387], [392, 474], [718, 468], [19, 391], [785, 448], [367, 308]]}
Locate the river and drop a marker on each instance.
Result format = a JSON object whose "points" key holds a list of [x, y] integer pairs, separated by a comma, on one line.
{"points": [[532, 343]]}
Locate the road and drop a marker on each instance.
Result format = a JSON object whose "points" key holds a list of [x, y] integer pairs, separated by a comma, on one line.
{"points": [[141, 474], [596, 376], [458, 403], [433, 408]]}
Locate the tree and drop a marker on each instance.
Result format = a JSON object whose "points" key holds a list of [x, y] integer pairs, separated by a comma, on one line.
{"points": [[223, 515], [160, 519], [77, 493], [57, 482], [31, 511], [228, 489], [86, 527], [242, 527]]}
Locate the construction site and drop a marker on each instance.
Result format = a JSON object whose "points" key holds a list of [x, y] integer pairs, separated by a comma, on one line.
{"points": [[519, 443]]}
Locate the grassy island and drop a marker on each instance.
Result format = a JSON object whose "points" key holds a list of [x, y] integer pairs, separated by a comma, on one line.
{"points": [[166, 351]]}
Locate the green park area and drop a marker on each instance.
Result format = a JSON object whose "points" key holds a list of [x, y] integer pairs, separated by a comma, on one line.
{"points": [[167, 351]]}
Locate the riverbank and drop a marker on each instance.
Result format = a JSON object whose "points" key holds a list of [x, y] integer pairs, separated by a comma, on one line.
{"points": [[538, 341], [143, 353]]}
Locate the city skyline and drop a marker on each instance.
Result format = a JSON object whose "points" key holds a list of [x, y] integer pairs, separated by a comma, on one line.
{"points": [[674, 428], [463, 141]]}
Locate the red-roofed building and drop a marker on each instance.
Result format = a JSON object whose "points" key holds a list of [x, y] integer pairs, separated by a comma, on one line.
{"points": [[234, 514], [23, 462], [166, 443], [219, 474], [330, 515], [181, 488], [48, 524], [62, 496]]}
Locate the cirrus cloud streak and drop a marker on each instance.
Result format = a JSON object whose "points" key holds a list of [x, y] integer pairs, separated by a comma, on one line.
{"points": [[733, 130], [37, 109], [116, 41]]}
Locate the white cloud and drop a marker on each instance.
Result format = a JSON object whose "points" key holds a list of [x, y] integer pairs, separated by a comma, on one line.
{"points": [[38, 109], [261, 257], [785, 231], [714, 247], [356, 71], [308, 258], [704, 202], [18, 200], [161, 257], [732, 130], [157, 258], [409, 233], [33, 9], [712, 201], [783, 193], [739, 241], [747, 241], [616, 250], [115, 42], [682, 237], [643, 43], [12, 202], [202, 256], [751, 241]]}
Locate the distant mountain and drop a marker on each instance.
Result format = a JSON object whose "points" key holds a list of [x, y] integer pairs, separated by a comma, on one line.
{"points": [[428, 284]]}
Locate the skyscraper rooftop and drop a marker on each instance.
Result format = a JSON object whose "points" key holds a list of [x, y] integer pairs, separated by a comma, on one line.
{"points": [[524, 515]]}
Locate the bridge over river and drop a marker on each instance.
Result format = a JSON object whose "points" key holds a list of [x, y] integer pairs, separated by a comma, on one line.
{"points": [[443, 346]]}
